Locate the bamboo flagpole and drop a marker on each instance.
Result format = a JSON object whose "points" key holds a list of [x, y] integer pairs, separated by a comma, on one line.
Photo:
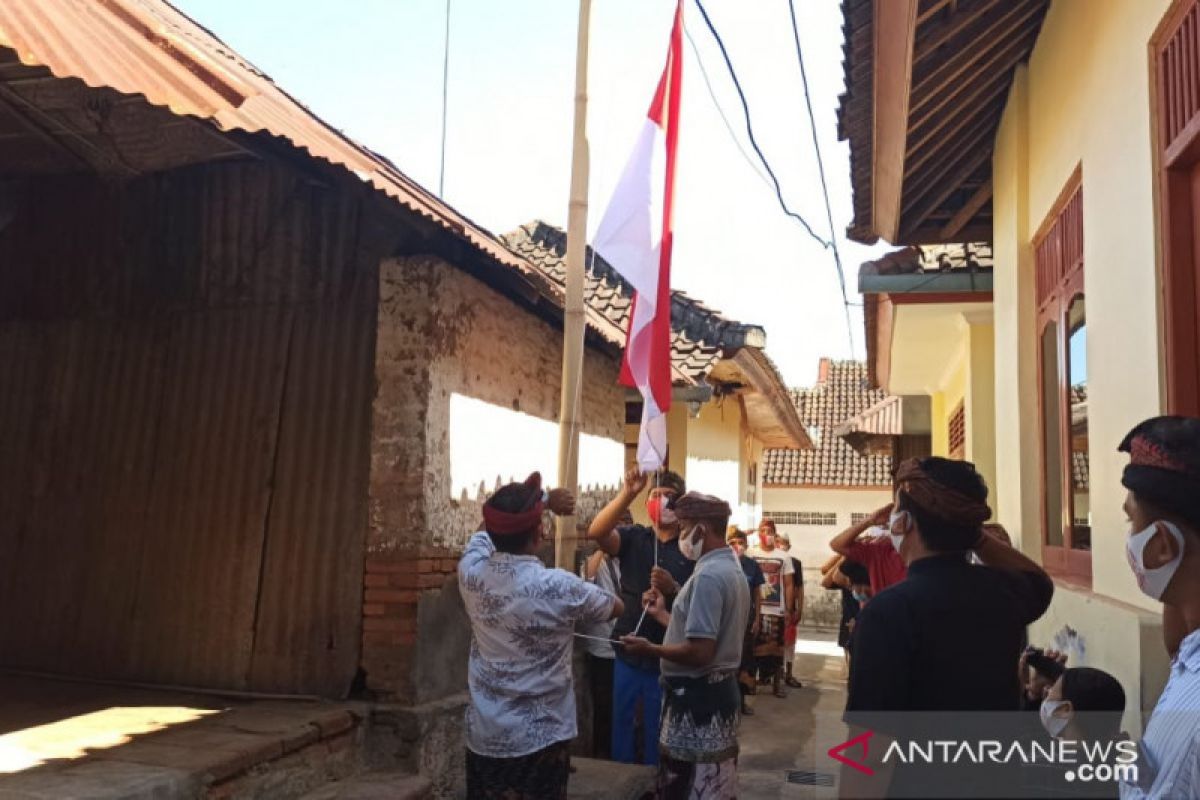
{"points": [[573, 316]]}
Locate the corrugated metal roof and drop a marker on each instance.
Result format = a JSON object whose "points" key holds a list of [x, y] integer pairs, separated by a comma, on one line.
{"points": [[149, 48]]}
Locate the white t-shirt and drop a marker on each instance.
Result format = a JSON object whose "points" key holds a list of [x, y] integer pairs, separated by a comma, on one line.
{"points": [[778, 569], [608, 578], [523, 619]]}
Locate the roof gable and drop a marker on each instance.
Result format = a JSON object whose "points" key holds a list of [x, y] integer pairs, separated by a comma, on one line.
{"points": [[843, 394]]}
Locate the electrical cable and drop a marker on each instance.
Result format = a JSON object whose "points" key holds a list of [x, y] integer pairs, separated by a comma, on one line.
{"points": [[750, 128]]}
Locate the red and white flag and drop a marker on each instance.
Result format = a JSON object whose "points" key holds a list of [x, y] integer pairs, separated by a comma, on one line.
{"points": [[635, 236]]}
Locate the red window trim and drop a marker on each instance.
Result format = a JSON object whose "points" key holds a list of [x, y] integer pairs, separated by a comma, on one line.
{"points": [[1059, 281]]}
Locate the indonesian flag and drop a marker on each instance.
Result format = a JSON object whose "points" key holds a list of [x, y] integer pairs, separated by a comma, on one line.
{"points": [[635, 236]]}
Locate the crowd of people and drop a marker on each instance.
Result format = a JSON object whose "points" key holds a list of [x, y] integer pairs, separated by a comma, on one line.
{"points": [[685, 619]]}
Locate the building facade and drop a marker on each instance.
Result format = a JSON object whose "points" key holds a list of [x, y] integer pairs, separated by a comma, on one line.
{"points": [[1064, 135], [811, 495], [729, 401]]}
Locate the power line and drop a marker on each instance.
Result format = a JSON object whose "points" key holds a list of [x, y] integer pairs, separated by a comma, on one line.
{"points": [[717, 103], [812, 123], [445, 95], [750, 129]]}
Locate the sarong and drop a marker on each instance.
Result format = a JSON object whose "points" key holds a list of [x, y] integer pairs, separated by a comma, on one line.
{"points": [[770, 637], [538, 776], [700, 718], [688, 780]]}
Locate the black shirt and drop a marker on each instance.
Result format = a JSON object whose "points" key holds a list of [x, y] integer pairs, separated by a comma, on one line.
{"points": [[637, 559], [945, 639]]}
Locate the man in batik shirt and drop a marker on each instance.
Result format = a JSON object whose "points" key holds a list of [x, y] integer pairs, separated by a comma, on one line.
{"points": [[521, 719]]}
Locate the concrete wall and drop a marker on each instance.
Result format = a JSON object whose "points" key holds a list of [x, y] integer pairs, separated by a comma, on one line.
{"points": [[810, 543], [1123, 640], [716, 461], [1083, 100]]}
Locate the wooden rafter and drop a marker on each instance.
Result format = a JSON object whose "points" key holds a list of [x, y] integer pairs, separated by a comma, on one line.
{"points": [[994, 78], [967, 212], [1010, 26], [928, 43], [966, 134], [948, 185]]}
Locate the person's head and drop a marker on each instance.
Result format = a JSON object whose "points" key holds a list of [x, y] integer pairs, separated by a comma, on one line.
{"points": [[941, 505], [737, 540], [702, 522], [665, 488], [860, 580], [1163, 506], [1084, 704], [513, 516], [767, 535], [784, 541]]}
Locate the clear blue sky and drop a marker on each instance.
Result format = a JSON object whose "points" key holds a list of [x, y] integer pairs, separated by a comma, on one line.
{"points": [[373, 68]]}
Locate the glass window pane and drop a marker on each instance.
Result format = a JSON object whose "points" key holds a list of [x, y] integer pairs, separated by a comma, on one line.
{"points": [[1051, 448], [1081, 517]]}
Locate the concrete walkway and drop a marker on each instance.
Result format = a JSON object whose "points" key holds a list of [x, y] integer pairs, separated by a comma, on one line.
{"points": [[793, 735]]}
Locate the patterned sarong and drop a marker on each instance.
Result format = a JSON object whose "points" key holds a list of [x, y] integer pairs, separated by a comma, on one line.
{"points": [[538, 776], [687, 780], [700, 718]]}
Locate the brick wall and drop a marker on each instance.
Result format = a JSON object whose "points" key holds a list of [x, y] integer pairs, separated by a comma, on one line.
{"points": [[441, 333]]}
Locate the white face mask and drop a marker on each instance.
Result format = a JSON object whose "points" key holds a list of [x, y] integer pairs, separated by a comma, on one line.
{"points": [[1153, 582], [897, 539], [691, 545], [1054, 725]]}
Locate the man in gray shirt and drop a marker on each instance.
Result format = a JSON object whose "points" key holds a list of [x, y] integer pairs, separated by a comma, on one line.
{"points": [[700, 656]]}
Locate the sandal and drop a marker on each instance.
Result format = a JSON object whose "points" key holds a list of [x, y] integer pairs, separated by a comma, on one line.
{"points": [[792, 682]]}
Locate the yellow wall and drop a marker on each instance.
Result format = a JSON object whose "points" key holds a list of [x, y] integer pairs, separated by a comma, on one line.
{"points": [[939, 440], [714, 451], [981, 402], [1083, 100]]}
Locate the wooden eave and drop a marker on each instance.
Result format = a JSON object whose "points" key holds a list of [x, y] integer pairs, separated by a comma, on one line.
{"points": [[927, 82]]}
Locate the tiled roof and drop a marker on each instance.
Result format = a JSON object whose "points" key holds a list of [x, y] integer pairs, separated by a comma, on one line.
{"points": [[699, 334], [931, 258], [844, 393]]}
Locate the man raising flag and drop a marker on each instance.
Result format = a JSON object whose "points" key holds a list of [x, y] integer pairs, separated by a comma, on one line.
{"points": [[635, 237]]}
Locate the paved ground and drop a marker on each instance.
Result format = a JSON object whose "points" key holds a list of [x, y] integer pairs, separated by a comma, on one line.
{"points": [[794, 734], [61, 739]]}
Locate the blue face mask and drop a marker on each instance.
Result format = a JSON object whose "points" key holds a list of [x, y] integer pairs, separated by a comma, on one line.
{"points": [[861, 597]]}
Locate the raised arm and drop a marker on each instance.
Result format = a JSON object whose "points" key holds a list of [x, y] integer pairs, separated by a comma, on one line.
{"points": [[844, 541], [995, 553], [603, 530]]}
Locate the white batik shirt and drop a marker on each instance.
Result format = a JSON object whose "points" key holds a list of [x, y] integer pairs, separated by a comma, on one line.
{"points": [[522, 619]]}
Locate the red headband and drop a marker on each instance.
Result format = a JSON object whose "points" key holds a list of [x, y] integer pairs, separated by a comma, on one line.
{"points": [[503, 523], [1145, 453]]}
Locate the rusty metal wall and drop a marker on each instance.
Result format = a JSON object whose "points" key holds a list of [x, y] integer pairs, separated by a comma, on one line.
{"points": [[184, 429]]}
